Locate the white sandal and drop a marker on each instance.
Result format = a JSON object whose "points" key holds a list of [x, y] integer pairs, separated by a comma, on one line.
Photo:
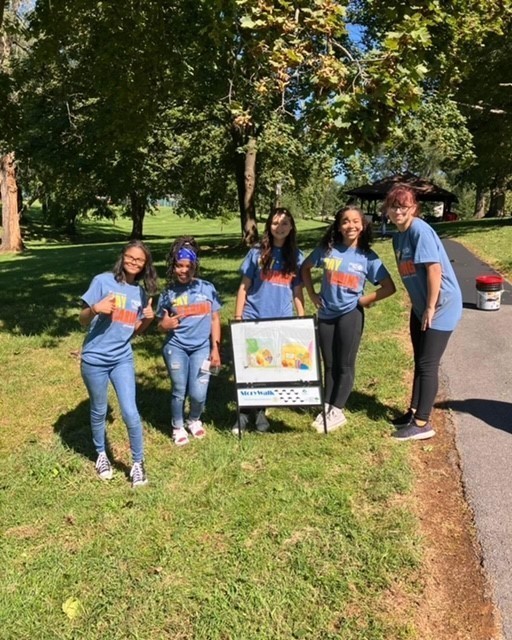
{"points": [[180, 437], [196, 429]]}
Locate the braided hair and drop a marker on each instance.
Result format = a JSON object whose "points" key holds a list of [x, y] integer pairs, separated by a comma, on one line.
{"points": [[183, 242]]}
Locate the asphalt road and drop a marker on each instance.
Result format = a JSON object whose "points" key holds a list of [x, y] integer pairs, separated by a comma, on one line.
{"points": [[477, 372]]}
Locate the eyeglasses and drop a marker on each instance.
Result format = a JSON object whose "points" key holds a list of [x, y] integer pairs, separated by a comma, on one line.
{"points": [[396, 208], [133, 260]]}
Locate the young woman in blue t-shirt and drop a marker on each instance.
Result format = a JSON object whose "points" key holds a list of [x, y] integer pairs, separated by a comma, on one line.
{"points": [[347, 262], [189, 316], [115, 307], [436, 300], [271, 286]]}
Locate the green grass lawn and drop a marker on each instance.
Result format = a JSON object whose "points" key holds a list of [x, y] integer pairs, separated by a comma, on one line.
{"points": [[287, 535], [490, 239]]}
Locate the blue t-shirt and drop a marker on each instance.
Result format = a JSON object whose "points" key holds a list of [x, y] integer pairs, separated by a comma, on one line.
{"points": [[345, 272], [108, 337], [271, 292], [194, 303], [414, 248]]}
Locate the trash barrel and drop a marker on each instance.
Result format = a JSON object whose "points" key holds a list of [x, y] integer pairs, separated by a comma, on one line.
{"points": [[488, 292]]}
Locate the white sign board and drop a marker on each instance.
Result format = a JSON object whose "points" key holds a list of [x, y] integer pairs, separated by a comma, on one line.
{"points": [[278, 396], [276, 362]]}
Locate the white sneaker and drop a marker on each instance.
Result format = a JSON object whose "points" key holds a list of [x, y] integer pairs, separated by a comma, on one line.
{"points": [[335, 419], [244, 421], [262, 424], [138, 475], [103, 467], [318, 422]]}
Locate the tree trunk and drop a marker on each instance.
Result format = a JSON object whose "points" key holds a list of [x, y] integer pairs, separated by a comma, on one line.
{"points": [[71, 223], [497, 204], [479, 203], [245, 172], [250, 227], [138, 205], [278, 190], [2, 11], [21, 208], [11, 239], [240, 186]]}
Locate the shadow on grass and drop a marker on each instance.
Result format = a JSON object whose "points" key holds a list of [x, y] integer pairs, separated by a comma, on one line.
{"points": [[368, 404], [93, 229], [40, 289], [494, 412], [74, 430], [467, 227], [358, 402], [155, 403]]}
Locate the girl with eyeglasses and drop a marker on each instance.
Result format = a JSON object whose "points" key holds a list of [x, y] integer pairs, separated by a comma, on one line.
{"points": [[188, 312], [271, 286], [347, 263], [436, 305], [115, 308]]}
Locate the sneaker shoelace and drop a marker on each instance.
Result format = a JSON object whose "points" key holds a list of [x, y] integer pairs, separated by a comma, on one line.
{"points": [[102, 464], [137, 473]]}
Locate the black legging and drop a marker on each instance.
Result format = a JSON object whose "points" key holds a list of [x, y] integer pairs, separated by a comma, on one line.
{"points": [[428, 347], [339, 343]]}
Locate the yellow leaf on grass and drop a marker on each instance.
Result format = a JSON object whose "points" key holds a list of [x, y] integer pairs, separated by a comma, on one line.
{"points": [[72, 608]]}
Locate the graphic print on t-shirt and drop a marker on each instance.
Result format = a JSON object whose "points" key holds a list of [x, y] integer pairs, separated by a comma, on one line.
{"points": [[277, 277], [274, 273], [123, 315], [336, 277], [406, 266], [183, 308]]}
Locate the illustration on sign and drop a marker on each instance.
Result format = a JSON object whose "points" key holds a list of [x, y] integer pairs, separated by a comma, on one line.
{"points": [[275, 351], [263, 352]]}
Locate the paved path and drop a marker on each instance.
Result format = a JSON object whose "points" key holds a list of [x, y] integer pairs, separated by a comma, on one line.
{"points": [[477, 368]]}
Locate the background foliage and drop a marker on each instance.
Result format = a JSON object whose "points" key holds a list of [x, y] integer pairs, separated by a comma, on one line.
{"points": [[108, 105]]}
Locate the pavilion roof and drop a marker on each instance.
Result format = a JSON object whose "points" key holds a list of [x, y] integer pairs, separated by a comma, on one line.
{"points": [[426, 191]]}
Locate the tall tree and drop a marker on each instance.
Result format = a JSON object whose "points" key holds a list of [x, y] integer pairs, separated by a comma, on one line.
{"points": [[170, 96], [439, 136], [329, 71], [11, 238], [485, 97], [10, 29], [431, 140], [94, 101]]}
